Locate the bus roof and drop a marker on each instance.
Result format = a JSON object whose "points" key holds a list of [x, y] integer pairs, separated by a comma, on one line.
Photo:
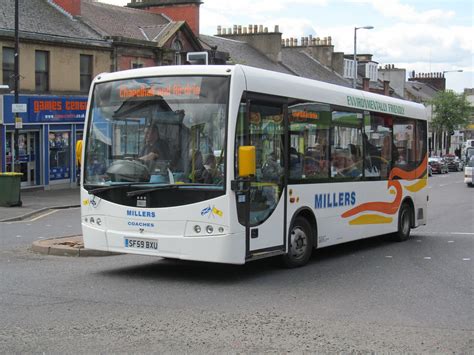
{"points": [[285, 85]]}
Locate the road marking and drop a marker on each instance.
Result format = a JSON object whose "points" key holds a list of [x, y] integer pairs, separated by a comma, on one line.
{"points": [[443, 233], [427, 258], [389, 256], [466, 259], [44, 215], [450, 241], [18, 236]]}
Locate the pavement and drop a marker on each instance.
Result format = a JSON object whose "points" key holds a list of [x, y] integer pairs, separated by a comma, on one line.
{"points": [[36, 202]]}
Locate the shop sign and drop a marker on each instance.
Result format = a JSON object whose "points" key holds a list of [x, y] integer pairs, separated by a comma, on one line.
{"points": [[45, 109], [57, 109]]}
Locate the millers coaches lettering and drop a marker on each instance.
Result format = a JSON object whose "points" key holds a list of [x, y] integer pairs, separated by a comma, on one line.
{"points": [[145, 214]]}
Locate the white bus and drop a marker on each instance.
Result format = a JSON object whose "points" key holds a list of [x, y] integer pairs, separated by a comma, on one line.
{"points": [[230, 164]]}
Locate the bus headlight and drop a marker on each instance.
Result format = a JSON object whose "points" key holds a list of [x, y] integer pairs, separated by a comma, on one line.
{"points": [[196, 229]]}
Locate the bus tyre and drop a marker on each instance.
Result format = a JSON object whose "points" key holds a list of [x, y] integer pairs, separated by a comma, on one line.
{"points": [[300, 246], [404, 223]]}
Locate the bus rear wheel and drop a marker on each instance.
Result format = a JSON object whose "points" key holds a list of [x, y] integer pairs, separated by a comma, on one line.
{"points": [[300, 244], [404, 223]]}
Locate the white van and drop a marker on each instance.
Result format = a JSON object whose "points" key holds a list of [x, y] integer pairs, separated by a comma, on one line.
{"points": [[467, 144]]}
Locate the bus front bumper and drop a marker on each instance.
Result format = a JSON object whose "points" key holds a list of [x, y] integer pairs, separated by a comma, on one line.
{"points": [[228, 248]]}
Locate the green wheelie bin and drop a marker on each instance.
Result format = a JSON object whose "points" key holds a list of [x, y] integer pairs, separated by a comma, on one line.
{"points": [[10, 189]]}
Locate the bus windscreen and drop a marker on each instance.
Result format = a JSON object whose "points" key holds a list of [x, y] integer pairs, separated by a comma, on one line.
{"points": [[158, 131]]}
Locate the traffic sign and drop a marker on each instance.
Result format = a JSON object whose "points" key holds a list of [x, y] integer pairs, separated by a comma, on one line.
{"points": [[18, 108], [18, 122]]}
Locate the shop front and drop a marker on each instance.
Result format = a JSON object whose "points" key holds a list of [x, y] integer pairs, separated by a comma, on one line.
{"points": [[46, 139]]}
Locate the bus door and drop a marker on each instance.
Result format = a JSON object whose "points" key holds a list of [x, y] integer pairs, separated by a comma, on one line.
{"points": [[262, 210]]}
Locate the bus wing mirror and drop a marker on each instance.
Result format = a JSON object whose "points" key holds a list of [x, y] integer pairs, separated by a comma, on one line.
{"points": [[79, 152], [247, 161]]}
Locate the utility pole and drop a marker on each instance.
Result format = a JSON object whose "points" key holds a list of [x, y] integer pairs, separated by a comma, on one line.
{"points": [[16, 83]]}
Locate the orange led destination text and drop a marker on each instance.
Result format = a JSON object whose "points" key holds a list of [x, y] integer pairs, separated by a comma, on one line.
{"points": [[146, 91], [304, 115]]}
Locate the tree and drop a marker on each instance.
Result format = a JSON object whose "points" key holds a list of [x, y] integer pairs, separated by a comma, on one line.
{"points": [[450, 111]]}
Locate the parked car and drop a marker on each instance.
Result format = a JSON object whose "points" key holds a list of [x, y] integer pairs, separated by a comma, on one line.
{"points": [[461, 163], [453, 162], [469, 172], [438, 165]]}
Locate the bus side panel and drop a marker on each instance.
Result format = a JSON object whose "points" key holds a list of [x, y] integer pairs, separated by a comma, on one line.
{"points": [[335, 207]]}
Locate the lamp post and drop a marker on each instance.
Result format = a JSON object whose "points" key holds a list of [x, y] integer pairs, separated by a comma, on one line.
{"points": [[449, 71], [354, 84], [452, 71], [16, 84]]}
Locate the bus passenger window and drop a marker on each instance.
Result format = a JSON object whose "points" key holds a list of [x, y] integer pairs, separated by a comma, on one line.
{"points": [[346, 145], [309, 149], [377, 139], [404, 141]]}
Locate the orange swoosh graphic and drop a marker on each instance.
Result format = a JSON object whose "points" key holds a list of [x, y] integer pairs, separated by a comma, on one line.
{"points": [[390, 207], [371, 219], [382, 207]]}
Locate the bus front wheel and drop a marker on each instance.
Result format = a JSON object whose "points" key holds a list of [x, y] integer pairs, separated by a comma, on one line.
{"points": [[300, 246], [404, 223]]}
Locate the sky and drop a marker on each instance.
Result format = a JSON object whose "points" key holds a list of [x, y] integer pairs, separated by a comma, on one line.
{"points": [[420, 35]]}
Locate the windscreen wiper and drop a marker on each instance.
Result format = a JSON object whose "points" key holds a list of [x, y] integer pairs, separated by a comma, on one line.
{"points": [[162, 187]]}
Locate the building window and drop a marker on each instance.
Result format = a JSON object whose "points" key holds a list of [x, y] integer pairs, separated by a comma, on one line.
{"points": [[41, 71], [177, 46], [137, 65], [349, 68], [86, 72], [8, 66], [371, 71]]}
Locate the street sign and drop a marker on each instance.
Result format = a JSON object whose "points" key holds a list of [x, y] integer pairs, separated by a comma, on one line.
{"points": [[18, 108], [18, 122]]}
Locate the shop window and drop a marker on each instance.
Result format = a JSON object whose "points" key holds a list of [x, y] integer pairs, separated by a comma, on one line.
{"points": [[346, 145], [59, 155], [310, 123], [377, 140], [86, 72], [41, 71], [8, 66]]}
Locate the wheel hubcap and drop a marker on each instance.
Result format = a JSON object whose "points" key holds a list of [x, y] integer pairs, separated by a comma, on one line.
{"points": [[298, 243]]}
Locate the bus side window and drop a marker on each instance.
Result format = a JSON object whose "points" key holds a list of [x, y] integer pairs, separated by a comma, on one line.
{"points": [[377, 139], [404, 140], [310, 123], [346, 145]]}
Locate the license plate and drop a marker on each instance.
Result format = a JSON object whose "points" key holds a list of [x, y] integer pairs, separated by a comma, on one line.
{"points": [[138, 243]]}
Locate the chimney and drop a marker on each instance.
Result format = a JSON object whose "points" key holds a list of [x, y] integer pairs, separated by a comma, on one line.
{"points": [[365, 84], [259, 37], [175, 9], [436, 80], [386, 88], [72, 7]]}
